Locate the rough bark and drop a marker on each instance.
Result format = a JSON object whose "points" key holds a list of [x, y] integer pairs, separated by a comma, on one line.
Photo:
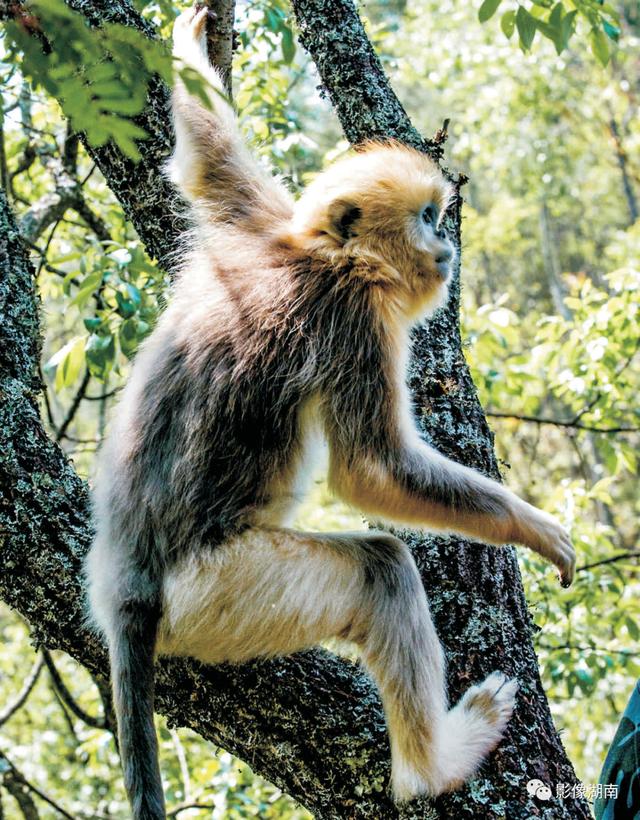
{"points": [[220, 38], [311, 723]]}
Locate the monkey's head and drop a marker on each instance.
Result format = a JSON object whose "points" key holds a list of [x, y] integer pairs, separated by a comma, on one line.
{"points": [[379, 213]]}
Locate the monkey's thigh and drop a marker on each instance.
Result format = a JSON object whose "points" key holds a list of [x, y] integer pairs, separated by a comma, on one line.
{"points": [[268, 592]]}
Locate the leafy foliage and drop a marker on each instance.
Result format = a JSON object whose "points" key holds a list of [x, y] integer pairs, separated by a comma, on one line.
{"points": [[117, 294], [100, 77], [558, 21]]}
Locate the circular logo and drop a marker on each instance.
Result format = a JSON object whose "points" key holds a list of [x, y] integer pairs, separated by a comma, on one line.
{"points": [[536, 788]]}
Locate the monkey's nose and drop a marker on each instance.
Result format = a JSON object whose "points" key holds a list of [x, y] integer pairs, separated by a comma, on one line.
{"points": [[444, 256]]}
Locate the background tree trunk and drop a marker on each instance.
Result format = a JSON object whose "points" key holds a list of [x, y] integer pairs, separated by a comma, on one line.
{"points": [[311, 723]]}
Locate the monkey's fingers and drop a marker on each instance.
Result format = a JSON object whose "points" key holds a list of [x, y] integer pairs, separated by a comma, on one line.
{"points": [[544, 534], [567, 563], [559, 549], [189, 29]]}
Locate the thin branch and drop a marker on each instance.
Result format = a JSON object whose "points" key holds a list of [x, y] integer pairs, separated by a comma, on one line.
{"points": [[67, 716], [576, 425], [75, 440], [621, 157], [92, 220], [621, 556], [47, 210], [73, 409], [595, 649], [17, 787], [45, 397], [45, 250], [22, 780], [184, 766], [175, 811], [67, 697], [70, 151], [103, 685], [108, 395], [21, 698]]}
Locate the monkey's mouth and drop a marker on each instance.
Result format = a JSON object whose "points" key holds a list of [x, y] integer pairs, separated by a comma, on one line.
{"points": [[443, 267]]}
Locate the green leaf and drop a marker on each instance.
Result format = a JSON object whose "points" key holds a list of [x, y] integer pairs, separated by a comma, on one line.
{"points": [[68, 370], [100, 352], [555, 18], [568, 27], [526, 25], [612, 32], [488, 9], [92, 323], [599, 45], [508, 23], [128, 337], [88, 287], [134, 294], [632, 626], [196, 85], [288, 45], [68, 361], [126, 308], [273, 20]]}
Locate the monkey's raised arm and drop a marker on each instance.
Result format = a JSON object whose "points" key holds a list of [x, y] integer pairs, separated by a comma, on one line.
{"points": [[379, 463], [211, 165]]}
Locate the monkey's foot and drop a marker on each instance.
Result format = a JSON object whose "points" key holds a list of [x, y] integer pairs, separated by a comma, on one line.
{"points": [[474, 727], [466, 735]]}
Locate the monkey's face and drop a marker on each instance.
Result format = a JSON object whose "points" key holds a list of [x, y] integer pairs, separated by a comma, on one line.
{"points": [[380, 211]]}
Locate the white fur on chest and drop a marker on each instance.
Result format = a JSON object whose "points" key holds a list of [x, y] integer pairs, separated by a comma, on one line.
{"points": [[290, 488]]}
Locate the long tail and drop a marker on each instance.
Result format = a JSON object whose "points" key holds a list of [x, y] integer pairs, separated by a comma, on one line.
{"points": [[132, 654]]}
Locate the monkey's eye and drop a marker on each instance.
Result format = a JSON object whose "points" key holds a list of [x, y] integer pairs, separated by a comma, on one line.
{"points": [[430, 215]]}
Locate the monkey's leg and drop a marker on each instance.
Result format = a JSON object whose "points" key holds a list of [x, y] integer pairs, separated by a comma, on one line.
{"points": [[272, 592], [433, 750]]}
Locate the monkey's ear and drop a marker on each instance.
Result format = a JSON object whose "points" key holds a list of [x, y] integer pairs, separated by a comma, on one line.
{"points": [[342, 217]]}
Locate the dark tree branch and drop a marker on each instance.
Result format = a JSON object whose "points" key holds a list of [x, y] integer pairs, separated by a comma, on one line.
{"points": [[18, 788], [21, 698], [22, 787], [47, 210], [176, 810], [66, 696], [61, 433], [620, 556], [621, 157], [220, 40], [352, 76], [573, 424], [92, 220]]}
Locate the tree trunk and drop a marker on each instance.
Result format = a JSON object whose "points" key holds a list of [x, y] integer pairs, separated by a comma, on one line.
{"points": [[311, 723]]}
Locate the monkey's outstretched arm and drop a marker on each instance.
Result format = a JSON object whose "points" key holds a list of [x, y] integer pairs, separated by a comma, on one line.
{"points": [[386, 470], [211, 165]]}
